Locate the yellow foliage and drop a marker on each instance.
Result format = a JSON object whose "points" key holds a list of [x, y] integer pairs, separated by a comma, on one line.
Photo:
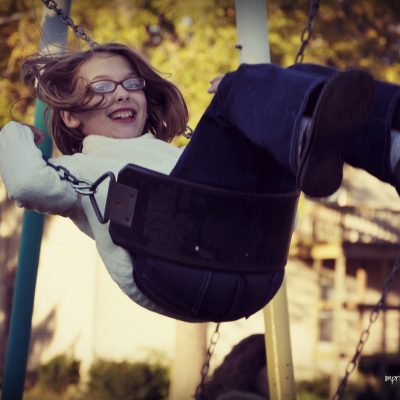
{"points": [[193, 41]]}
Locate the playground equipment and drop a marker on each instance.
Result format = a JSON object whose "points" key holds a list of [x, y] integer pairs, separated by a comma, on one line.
{"points": [[280, 367]]}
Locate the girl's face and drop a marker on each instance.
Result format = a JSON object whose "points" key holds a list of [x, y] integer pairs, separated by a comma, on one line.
{"points": [[123, 113]]}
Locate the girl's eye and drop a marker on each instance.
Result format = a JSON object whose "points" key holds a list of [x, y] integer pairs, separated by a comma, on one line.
{"points": [[134, 83], [131, 84], [102, 87]]}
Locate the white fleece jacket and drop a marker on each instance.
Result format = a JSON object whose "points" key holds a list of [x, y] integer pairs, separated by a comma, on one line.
{"points": [[36, 186]]}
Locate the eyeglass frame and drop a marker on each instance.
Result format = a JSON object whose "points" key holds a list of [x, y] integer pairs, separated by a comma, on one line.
{"points": [[116, 83]]}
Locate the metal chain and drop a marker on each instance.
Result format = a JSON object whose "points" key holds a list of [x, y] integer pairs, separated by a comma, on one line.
{"points": [[81, 186], [188, 132], [365, 334], [85, 187], [62, 15], [307, 31], [199, 395]]}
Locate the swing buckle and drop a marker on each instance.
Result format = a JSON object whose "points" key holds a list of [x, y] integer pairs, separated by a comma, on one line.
{"points": [[120, 205], [91, 193]]}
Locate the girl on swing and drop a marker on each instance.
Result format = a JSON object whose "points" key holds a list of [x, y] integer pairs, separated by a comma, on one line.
{"points": [[267, 130]]}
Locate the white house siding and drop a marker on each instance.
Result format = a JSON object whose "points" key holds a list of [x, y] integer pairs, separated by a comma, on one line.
{"points": [[80, 311]]}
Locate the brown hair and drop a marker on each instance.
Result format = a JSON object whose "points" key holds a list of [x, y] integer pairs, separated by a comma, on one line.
{"points": [[53, 79]]}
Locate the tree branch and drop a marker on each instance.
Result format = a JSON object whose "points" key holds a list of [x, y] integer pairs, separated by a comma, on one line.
{"points": [[12, 18]]}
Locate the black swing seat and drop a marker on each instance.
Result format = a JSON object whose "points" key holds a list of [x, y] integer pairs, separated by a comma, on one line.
{"points": [[197, 225]]}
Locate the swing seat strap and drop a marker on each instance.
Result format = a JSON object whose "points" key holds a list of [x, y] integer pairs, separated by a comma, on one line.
{"points": [[197, 225]]}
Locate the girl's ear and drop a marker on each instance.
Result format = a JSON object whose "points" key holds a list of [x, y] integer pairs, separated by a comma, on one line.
{"points": [[70, 119]]}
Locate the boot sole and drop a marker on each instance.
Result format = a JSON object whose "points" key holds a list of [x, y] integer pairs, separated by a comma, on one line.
{"points": [[342, 109]]}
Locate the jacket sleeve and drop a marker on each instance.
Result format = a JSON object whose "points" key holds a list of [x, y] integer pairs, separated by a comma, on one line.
{"points": [[27, 178]]}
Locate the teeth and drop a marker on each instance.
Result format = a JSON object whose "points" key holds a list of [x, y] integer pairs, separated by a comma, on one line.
{"points": [[122, 114]]}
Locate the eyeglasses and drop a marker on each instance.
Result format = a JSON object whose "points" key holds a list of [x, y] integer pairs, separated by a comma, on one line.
{"points": [[109, 86]]}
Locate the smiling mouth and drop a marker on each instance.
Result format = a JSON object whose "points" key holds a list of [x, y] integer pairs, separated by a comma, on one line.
{"points": [[123, 115]]}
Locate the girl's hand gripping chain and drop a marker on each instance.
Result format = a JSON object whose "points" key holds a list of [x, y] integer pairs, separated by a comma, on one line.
{"points": [[38, 134]]}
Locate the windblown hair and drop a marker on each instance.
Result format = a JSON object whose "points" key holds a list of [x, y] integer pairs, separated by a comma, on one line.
{"points": [[54, 80]]}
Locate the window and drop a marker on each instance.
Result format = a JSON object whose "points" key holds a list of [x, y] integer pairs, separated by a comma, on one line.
{"points": [[325, 309], [325, 326]]}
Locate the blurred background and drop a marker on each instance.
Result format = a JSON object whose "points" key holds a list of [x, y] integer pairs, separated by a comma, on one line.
{"points": [[88, 340]]}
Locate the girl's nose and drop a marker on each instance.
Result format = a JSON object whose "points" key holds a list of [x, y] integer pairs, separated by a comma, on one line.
{"points": [[121, 94], [122, 98]]}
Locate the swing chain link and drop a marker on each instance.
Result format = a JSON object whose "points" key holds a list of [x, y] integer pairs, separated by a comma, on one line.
{"points": [[78, 30], [188, 132], [199, 395], [85, 188], [81, 186], [307, 31], [366, 332]]}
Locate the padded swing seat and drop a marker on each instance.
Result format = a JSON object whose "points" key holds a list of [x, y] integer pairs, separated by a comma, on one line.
{"points": [[197, 225]]}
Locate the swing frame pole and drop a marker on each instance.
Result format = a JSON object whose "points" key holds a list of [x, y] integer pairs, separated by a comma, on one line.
{"points": [[19, 333], [252, 28]]}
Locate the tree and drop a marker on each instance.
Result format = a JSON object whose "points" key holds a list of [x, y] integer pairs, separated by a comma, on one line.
{"points": [[192, 41]]}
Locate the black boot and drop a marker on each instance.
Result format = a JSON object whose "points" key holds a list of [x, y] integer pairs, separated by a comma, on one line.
{"points": [[340, 112]]}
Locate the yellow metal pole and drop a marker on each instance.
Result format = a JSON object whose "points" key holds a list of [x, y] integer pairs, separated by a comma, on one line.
{"points": [[279, 350], [251, 21]]}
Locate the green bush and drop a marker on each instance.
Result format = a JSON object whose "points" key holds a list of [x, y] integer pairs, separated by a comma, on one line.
{"points": [[318, 389], [128, 381], [315, 389], [60, 372]]}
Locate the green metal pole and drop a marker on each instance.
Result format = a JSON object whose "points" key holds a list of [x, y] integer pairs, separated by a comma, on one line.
{"points": [[24, 293], [29, 249]]}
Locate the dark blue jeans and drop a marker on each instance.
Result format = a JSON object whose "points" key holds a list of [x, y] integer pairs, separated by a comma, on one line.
{"points": [[247, 140]]}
